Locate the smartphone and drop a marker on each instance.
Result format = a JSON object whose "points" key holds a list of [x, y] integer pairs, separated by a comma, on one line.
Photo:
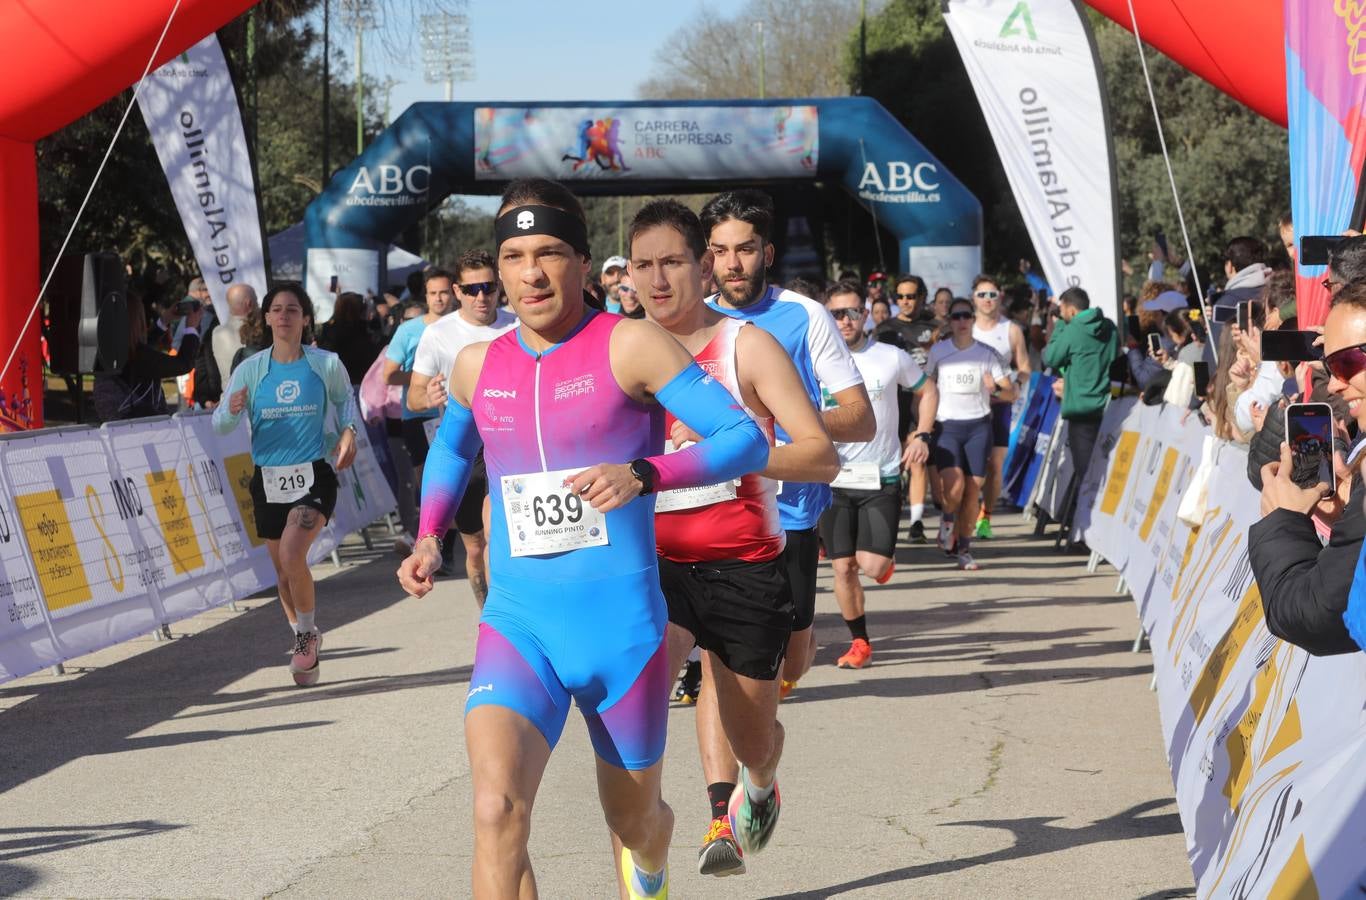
{"points": [[1201, 379], [1244, 315], [1225, 315], [1290, 346], [1161, 240], [1314, 248], [1154, 344], [332, 285], [1309, 431]]}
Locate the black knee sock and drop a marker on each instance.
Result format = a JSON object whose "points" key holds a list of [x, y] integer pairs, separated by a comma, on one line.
{"points": [[718, 795], [858, 627]]}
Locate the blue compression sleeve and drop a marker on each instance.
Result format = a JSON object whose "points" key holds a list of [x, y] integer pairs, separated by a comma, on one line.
{"points": [[447, 471], [732, 443]]}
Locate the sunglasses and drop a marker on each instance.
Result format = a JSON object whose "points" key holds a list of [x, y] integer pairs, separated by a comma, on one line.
{"points": [[987, 295], [1347, 363], [908, 296], [962, 316], [476, 288], [850, 312], [626, 289]]}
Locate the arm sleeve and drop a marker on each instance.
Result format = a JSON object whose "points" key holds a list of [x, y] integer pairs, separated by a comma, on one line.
{"points": [[732, 444], [830, 356], [224, 421], [1304, 586], [447, 470]]}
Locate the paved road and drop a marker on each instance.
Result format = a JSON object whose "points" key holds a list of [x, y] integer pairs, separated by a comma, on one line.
{"points": [[1004, 744]]}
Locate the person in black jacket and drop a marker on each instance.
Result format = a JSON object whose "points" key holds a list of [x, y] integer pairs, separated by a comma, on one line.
{"points": [[135, 391], [349, 336], [1304, 584]]}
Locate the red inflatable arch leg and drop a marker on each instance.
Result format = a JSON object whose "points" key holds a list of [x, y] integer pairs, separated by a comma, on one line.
{"points": [[21, 391]]}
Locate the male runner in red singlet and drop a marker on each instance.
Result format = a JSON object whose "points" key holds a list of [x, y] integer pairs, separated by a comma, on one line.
{"points": [[719, 545]]}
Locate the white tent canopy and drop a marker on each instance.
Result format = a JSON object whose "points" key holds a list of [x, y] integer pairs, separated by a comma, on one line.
{"points": [[287, 257]]}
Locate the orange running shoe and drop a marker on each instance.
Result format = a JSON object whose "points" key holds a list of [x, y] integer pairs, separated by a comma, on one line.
{"points": [[720, 854], [859, 656], [887, 576]]}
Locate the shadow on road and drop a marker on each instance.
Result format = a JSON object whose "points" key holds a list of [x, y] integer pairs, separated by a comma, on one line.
{"points": [[1034, 836], [99, 711]]}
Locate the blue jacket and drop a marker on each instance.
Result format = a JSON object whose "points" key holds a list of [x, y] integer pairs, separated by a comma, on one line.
{"points": [[327, 366]]}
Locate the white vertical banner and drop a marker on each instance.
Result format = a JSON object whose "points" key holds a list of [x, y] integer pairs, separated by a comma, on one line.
{"points": [[191, 111], [1038, 80]]}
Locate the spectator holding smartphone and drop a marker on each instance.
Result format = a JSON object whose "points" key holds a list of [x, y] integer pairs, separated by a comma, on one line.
{"points": [[1305, 585]]}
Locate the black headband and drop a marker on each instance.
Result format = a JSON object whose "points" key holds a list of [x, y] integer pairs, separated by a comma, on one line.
{"points": [[546, 220]]}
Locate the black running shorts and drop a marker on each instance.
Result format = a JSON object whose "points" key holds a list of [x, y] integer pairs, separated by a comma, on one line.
{"points": [[798, 560], [270, 517], [964, 445], [862, 521], [1000, 424], [737, 610], [469, 515]]}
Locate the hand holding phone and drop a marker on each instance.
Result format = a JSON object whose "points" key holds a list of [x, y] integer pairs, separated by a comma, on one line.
{"points": [[1154, 345], [1309, 433]]}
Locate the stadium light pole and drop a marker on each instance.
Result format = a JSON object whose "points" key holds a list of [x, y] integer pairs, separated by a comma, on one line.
{"points": [[360, 15], [447, 48]]}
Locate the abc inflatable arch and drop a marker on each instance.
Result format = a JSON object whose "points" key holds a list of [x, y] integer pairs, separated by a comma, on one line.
{"points": [[1239, 48], [641, 147], [64, 58]]}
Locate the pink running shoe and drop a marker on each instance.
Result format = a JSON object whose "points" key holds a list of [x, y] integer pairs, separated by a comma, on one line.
{"points": [[303, 660]]}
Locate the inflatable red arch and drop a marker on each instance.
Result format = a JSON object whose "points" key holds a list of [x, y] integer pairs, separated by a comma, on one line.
{"points": [[65, 57], [62, 58]]}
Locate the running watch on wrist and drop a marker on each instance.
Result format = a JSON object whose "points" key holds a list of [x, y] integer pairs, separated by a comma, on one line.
{"points": [[644, 471], [922, 435]]}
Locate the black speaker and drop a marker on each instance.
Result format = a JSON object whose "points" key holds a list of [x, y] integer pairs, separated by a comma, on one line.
{"points": [[88, 314]]}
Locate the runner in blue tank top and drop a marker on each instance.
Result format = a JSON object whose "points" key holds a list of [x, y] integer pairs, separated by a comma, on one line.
{"points": [[291, 394]]}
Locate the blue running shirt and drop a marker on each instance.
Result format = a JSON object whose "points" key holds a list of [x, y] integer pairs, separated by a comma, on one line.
{"points": [[403, 350], [808, 334], [287, 415]]}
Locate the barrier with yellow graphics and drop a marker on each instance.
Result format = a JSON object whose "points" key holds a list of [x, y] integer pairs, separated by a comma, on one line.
{"points": [[109, 533], [1267, 745]]}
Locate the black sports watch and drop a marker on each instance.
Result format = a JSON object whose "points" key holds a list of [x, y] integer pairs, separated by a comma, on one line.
{"points": [[645, 472], [923, 435]]}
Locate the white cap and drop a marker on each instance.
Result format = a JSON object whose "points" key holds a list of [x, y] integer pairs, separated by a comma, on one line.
{"points": [[614, 262]]}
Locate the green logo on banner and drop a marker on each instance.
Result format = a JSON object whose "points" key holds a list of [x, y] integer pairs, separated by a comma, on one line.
{"points": [[1019, 16]]}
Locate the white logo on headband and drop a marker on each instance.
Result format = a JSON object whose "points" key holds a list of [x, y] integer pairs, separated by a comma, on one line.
{"points": [[525, 219]]}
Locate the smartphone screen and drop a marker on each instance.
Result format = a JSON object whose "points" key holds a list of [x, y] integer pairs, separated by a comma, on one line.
{"points": [[1309, 431], [1314, 248], [1225, 314], [1154, 344], [1244, 315], [1290, 346], [332, 285], [1201, 379]]}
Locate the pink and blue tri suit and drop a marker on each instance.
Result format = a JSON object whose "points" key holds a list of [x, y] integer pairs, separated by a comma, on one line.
{"points": [[586, 623]]}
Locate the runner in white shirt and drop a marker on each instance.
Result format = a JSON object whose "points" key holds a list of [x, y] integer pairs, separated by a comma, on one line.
{"points": [[1001, 334], [478, 318], [859, 529], [970, 375]]}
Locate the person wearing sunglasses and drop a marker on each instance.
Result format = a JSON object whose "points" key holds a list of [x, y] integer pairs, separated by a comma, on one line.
{"points": [[629, 299], [993, 328], [860, 527], [969, 375], [1307, 587], [478, 318], [914, 330]]}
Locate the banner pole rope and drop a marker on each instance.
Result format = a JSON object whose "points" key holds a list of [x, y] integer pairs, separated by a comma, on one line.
{"points": [[37, 301], [1171, 179]]}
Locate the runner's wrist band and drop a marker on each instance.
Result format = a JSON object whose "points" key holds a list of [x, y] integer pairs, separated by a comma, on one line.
{"points": [[545, 220], [440, 547]]}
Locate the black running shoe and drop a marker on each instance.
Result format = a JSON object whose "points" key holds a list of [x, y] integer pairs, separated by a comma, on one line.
{"points": [[918, 533], [690, 683]]}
